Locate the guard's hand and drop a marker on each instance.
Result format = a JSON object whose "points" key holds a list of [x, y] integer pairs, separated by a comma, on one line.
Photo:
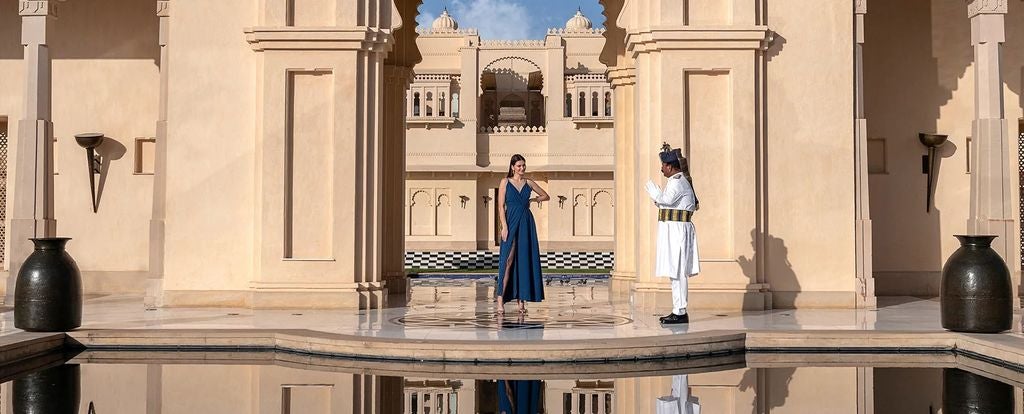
{"points": [[504, 234], [652, 189]]}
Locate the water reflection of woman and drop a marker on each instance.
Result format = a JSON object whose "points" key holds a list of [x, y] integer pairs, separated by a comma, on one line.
{"points": [[519, 397]]}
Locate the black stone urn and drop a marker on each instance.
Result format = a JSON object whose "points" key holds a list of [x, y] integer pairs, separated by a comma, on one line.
{"points": [[50, 391], [968, 393], [975, 291], [48, 293]]}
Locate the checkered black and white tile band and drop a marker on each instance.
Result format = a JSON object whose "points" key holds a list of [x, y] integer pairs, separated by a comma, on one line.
{"points": [[482, 259]]}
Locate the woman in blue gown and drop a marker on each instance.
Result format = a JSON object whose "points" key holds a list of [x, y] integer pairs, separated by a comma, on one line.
{"points": [[519, 276]]}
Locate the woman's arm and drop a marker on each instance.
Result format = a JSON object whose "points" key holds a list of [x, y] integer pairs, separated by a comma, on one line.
{"points": [[541, 194], [501, 207]]}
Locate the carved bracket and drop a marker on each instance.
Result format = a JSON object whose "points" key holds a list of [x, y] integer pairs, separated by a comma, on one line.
{"points": [[860, 7], [38, 8], [977, 7], [163, 8]]}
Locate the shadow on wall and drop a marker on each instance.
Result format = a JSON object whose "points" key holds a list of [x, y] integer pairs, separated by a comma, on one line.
{"points": [[778, 271], [96, 29], [109, 151], [916, 54], [775, 387]]}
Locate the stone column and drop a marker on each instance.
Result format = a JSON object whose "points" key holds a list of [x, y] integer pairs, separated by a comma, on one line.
{"points": [[154, 284], [396, 86], [624, 82], [991, 209], [862, 214], [32, 214], [321, 175]]}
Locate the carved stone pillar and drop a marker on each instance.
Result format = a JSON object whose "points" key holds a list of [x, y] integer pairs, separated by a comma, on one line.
{"points": [[32, 214], [321, 154], [991, 208], [708, 105], [154, 284], [624, 82], [862, 214], [396, 85]]}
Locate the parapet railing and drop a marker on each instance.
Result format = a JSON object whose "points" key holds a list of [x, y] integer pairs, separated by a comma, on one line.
{"points": [[517, 129]]}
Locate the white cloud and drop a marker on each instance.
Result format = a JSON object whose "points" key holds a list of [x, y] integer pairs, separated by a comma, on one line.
{"points": [[425, 19], [495, 19]]}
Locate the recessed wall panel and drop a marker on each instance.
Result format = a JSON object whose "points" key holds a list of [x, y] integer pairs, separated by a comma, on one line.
{"points": [[311, 12], [309, 198], [709, 135]]}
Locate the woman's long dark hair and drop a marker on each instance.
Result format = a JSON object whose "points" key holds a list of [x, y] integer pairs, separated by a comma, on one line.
{"points": [[515, 158]]}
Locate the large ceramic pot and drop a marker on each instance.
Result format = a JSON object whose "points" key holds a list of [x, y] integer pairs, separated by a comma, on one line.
{"points": [[975, 292], [48, 294], [968, 393], [50, 391]]}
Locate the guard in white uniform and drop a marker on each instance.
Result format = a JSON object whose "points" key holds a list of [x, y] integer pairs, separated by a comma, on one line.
{"points": [[680, 401], [677, 257]]}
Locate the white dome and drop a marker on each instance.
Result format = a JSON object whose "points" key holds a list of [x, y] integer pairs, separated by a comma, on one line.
{"points": [[445, 22], [578, 22]]}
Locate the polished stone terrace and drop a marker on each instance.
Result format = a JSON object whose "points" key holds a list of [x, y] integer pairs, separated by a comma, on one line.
{"points": [[454, 321], [464, 310]]}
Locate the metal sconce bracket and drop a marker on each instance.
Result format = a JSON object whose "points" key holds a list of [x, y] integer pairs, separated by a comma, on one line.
{"points": [[90, 141], [561, 201], [932, 141]]}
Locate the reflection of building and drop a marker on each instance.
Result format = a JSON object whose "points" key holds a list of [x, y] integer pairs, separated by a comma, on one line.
{"points": [[473, 103]]}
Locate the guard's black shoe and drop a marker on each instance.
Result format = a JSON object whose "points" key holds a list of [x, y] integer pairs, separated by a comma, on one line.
{"points": [[675, 319], [663, 318]]}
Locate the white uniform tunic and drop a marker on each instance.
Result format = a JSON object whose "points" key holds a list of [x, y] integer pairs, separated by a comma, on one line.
{"points": [[677, 256], [680, 401]]}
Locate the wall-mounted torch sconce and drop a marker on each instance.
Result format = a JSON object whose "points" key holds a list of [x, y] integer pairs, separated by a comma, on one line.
{"points": [[486, 198], [90, 141], [464, 199], [932, 141], [561, 201]]}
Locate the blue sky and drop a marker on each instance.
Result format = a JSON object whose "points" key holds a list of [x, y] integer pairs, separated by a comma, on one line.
{"points": [[511, 19]]}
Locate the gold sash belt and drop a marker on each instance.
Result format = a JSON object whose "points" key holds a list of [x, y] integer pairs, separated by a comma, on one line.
{"points": [[674, 215]]}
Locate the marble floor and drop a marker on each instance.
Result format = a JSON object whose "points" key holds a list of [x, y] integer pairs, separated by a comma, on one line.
{"points": [[464, 311]]}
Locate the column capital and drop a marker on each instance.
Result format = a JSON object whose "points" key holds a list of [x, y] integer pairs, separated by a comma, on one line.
{"points": [[860, 6], [977, 7], [163, 8], [38, 8]]}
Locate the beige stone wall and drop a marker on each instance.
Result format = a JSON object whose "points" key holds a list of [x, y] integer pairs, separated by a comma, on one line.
{"points": [[809, 243], [919, 77], [211, 151], [583, 221], [105, 79]]}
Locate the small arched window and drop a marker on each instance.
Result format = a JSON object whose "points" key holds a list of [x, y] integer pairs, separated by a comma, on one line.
{"points": [[440, 105], [568, 105], [455, 105], [416, 104], [593, 104], [430, 109], [583, 103], [607, 104]]}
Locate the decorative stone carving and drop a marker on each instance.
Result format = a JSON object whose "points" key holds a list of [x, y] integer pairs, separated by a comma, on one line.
{"points": [[38, 8], [163, 8], [860, 6], [977, 7]]}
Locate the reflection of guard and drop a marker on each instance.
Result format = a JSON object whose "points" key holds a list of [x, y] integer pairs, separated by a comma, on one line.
{"points": [[680, 402], [677, 257]]}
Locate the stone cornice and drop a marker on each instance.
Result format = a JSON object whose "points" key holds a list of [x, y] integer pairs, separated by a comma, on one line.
{"points": [[163, 8], [977, 7], [363, 38], [622, 76], [700, 38], [38, 8]]}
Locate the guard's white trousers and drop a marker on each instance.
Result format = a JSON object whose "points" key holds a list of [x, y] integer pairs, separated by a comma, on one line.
{"points": [[680, 291]]}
